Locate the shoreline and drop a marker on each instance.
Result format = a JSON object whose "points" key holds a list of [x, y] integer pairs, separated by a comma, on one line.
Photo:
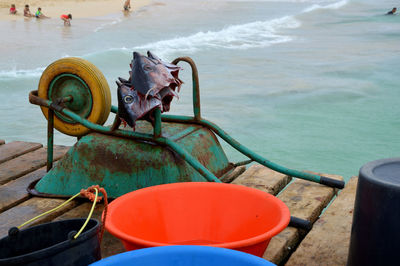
{"points": [[78, 8]]}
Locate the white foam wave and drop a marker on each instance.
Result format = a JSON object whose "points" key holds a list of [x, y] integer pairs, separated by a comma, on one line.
{"points": [[335, 5], [108, 24], [21, 73], [123, 50], [251, 35]]}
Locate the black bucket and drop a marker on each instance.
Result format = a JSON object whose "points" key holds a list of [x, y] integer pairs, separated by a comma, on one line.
{"points": [[375, 231], [52, 244]]}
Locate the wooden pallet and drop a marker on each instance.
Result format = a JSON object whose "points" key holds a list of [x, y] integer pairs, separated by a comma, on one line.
{"points": [[327, 243]]}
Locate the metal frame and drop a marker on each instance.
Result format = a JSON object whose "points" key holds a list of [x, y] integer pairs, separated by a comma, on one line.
{"points": [[157, 137]]}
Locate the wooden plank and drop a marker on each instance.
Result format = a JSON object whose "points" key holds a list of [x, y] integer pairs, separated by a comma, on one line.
{"points": [[305, 200], [263, 178], [328, 242], [16, 148], [14, 192], [29, 209], [27, 163], [110, 244], [237, 171]]}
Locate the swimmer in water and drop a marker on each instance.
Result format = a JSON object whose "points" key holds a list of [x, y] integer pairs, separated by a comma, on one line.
{"points": [[391, 12]]}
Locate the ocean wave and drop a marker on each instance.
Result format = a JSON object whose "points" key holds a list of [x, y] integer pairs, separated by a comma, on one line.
{"points": [[250, 35], [108, 24], [114, 51], [335, 5], [21, 73]]}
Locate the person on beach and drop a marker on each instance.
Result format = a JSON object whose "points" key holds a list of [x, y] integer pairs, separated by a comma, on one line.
{"points": [[391, 12], [39, 13], [66, 19], [27, 12], [13, 10], [127, 5]]}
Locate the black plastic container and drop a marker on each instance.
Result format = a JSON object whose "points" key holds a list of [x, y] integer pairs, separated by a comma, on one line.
{"points": [[52, 244], [375, 234]]}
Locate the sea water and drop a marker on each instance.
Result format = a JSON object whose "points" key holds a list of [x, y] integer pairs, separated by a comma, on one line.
{"points": [[308, 84]]}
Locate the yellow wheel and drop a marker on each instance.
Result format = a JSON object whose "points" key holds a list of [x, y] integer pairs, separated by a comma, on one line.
{"points": [[91, 97]]}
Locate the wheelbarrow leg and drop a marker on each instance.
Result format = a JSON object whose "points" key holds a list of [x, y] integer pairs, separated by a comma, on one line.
{"points": [[50, 139]]}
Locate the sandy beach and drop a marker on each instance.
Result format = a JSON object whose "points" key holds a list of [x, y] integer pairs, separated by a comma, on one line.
{"points": [[78, 8]]}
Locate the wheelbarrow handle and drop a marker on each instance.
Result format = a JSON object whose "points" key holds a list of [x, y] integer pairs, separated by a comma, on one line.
{"points": [[300, 223], [252, 155], [331, 182]]}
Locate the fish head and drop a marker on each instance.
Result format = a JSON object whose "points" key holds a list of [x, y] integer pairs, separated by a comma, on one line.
{"points": [[151, 85], [132, 106], [172, 69], [150, 74], [143, 71], [126, 101]]}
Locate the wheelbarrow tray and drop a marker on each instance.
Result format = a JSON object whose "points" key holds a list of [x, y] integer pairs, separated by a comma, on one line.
{"points": [[121, 165]]}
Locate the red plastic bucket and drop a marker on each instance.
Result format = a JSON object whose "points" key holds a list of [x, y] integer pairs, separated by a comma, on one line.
{"points": [[198, 213]]}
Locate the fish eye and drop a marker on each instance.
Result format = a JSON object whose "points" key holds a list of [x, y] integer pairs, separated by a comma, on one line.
{"points": [[147, 67], [128, 99]]}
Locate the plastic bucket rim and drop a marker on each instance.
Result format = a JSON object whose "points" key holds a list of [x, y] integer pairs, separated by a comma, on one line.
{"points": [[283, 223], [173, 249], [367, 171], [59, 247]]}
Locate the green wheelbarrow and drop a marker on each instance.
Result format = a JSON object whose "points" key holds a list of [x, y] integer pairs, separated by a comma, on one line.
{"points": [[75, 98]]}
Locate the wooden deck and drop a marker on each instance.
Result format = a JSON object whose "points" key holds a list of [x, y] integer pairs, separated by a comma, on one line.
{"points": [[326, 244]]}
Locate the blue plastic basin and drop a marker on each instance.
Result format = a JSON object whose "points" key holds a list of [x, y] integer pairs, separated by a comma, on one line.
{"points": [[184, 255]]}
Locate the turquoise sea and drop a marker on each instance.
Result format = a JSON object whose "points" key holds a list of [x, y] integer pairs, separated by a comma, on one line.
{"points": [[309, 84]]}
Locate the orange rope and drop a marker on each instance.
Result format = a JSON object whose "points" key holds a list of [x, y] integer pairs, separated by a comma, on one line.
{"points": [[90, 194]]}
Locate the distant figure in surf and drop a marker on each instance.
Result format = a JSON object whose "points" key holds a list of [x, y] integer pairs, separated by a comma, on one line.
{"points": [[127, 5], [13, 9], [27, 12], [66, 19], [391, 12], [39, 13]]}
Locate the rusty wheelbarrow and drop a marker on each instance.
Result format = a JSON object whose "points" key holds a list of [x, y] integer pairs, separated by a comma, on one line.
{"points": [[75, 98]]}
